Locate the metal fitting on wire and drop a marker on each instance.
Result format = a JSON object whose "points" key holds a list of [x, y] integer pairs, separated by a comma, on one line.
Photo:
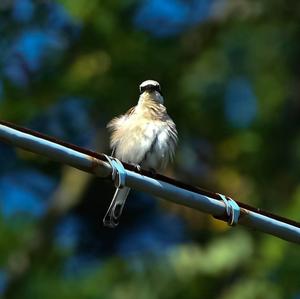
{"points": [[232, 210]]}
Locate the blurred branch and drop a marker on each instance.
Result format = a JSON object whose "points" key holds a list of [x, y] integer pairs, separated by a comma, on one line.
{"points": [[157, 185]]}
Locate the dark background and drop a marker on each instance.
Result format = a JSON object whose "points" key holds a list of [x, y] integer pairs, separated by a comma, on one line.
{"points": [[230, 73]]}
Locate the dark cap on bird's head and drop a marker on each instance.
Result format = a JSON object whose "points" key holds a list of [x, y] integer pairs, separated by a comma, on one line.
{"points": [[149, 85]]}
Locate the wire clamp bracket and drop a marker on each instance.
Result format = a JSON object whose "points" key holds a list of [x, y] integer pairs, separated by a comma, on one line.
{"points": [[119, 177], [118, 172], [232, 209]]}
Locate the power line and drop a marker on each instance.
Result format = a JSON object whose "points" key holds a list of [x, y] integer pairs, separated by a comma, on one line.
{"points": [[154, 184]]}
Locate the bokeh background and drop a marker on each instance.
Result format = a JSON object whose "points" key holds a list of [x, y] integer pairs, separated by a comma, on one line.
{"points": [[230, 72]]}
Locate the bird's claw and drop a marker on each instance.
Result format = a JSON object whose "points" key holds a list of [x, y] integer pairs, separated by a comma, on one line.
{"points": [[138, 167]]}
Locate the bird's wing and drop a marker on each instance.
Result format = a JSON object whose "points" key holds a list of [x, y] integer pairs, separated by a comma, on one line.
{"points": [[173, 138], [161, 146], [117, 122]]}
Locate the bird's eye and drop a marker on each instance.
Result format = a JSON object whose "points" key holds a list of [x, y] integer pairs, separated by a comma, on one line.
{"points": [[142, 89], [156, 87], [153, 87]]}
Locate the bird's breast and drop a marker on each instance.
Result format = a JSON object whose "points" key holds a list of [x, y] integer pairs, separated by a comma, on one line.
{"points": [[143, 142]]}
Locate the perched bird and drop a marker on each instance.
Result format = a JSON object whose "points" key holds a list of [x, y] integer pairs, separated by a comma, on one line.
{"points": [[144, 136]]}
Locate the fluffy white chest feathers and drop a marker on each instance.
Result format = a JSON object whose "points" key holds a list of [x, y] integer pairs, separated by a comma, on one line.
{"points": [[145, 135]]}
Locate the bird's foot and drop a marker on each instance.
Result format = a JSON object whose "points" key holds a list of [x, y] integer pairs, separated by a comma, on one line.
{"points": [[137, 167]]}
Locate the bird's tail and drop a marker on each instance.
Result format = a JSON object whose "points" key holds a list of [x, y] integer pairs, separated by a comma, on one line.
{"points": [[116, 207]]}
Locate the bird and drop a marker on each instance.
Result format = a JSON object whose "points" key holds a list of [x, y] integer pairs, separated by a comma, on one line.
{"points": [[144, 136]]}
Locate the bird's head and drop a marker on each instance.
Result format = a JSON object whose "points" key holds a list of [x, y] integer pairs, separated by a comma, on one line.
{"points": [[153, 89], [150, 86]]}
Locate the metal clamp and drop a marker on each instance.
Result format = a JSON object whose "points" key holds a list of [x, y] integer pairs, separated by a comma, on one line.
{"points": [[118, 201], [118, 171], [232, 209]]}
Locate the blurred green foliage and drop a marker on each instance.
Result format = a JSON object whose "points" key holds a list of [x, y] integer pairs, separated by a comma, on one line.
{"points": [[231, 83]]}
